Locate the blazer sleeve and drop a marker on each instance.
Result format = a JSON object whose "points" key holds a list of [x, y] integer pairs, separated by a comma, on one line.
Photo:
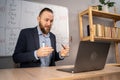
{"points": [[21, 54]]}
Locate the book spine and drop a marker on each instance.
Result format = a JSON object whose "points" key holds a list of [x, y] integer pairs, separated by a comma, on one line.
{"points": [[118, 33], [99, 30]]}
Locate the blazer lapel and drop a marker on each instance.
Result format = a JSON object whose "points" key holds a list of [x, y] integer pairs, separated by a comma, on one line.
{"points": [[36, 37], [52, 41]]}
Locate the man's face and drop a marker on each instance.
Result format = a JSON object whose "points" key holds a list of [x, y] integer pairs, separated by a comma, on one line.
{"points": [[45, 21]]}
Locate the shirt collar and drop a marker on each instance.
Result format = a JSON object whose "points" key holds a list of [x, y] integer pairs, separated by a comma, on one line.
{"points": [[40, 32]]}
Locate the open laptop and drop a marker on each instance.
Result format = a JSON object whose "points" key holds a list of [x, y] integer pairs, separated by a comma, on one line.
{"points": [[90, 56]]}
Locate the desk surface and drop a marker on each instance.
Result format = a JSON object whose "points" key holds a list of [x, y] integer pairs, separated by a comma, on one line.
{"points": [[50, 73]]}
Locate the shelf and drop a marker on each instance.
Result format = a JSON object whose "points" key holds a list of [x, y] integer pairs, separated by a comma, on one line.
{"points": [[91, 13], [101, 39], [102, 14]]}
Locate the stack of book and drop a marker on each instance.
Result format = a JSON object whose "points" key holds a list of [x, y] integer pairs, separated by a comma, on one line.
{"points": [[104, 31]]}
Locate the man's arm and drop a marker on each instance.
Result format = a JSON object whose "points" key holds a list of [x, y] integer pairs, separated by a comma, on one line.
{"points": [[21, 54]]}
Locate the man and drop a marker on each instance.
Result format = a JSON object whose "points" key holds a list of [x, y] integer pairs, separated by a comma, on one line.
{"points": [[37, 46]]}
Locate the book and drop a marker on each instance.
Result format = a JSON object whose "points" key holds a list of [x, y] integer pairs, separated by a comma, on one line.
{"points": [[94, 30], [99, 30], [107, 31], [118, 33], [103, 30], [88, 30], [114, 32]]}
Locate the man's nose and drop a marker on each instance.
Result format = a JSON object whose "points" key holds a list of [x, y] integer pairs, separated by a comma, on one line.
{"points": [[49, 23]]}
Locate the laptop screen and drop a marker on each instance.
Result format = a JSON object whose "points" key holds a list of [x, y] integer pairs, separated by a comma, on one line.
{"points": [[91, 55]]}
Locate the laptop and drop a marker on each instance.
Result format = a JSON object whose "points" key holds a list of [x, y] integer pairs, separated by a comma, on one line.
{"points": [[90, 56]]}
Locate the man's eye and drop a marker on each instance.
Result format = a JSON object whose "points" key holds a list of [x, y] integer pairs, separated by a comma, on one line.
{"points": [[46, 20], [51, 21]]}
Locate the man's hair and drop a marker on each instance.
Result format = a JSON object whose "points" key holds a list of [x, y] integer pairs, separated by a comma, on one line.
{"points": [[45, 9]]}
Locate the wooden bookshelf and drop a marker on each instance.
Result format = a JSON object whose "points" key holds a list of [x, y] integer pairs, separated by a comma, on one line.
{"points": [[101, 14], [87, 38], [95, 13]]}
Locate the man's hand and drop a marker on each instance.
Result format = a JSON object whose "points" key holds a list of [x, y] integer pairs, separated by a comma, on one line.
{"points": [[44, 51], [64, 51]]}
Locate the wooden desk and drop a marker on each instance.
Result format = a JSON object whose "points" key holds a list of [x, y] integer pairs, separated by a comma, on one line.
{"points": [[110, 72]]}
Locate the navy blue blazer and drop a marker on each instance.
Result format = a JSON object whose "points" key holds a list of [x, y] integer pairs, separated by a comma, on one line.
{"points": [[27, 43]]}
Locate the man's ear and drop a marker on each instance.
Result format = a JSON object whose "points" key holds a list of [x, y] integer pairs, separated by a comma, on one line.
{"points": [[38, 18]]}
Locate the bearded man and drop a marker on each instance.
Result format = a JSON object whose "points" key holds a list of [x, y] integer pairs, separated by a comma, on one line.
{"points": [[36, 47]]}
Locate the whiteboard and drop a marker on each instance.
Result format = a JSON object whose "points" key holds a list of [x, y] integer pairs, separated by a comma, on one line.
{"points": [[18, 14]]}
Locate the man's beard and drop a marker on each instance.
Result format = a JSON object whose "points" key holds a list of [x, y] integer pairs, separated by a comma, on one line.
{"points": [[44, 29]]}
